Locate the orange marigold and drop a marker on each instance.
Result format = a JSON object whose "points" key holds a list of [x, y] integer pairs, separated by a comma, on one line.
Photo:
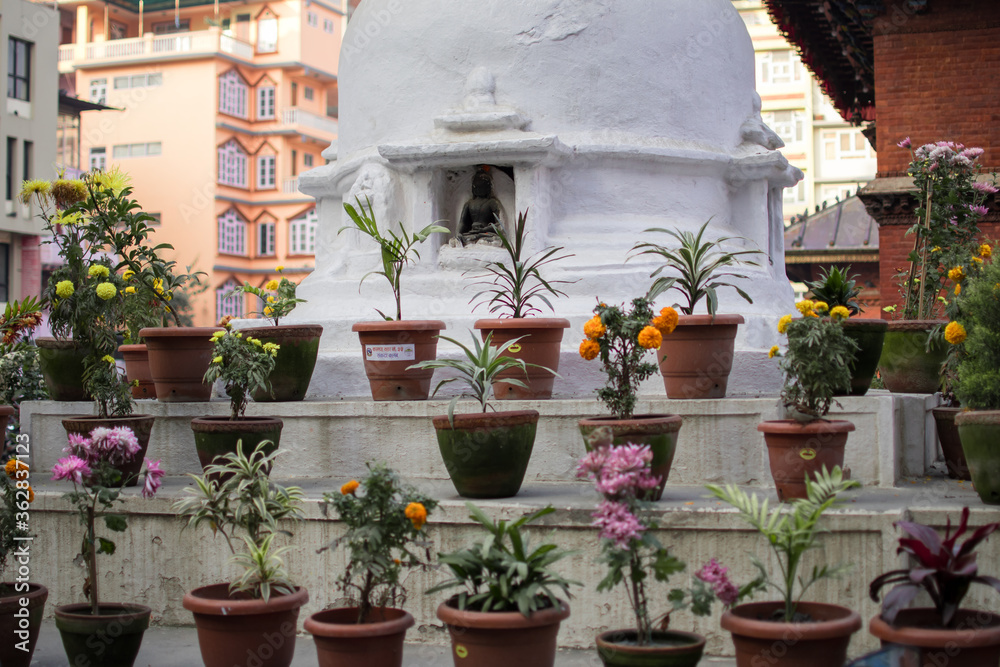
{"points": [[666, 321], [650, 338], [12, 466], [416, 513], [594, 328], [350, 487], [589, 349]]}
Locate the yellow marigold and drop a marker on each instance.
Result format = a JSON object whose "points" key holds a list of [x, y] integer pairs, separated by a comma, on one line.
{"points": [[985, 251], [268, 311], [977, 260], [130, 289], [217, 360], [805, 306], [13, 465], [217, 335], [594, 328], [416, 513], [936, 248], [820, 306], [956, 274], [272, 348], [666, 321], [773, 352], [958, 289], [35, 187], [67, 192], [271, 285], [255, 341], [99, 271], [650, 338], [106, 291], [840, 313], [954, 333], [158, 285], [64, 289], [589, 349], [128, 274], [270, 298], [810, 313], [350, 487], [783, 323], [108, 359], [279, 268]]}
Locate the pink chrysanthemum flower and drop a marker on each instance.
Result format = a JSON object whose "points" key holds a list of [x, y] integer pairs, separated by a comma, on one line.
{"points": [[617, 523], [153, 476], [115, 445], [71, 468]]}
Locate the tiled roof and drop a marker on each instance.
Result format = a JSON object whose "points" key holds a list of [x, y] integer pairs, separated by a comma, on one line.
{"points": [[842, 229]]}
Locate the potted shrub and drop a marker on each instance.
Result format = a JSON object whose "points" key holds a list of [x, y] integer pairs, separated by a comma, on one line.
{"points": [[244, 364], [635, 557], [486, 454], [21, 602], [20, 375], [391, 347], [696, 359], [236, 499], [816, 364], [298, 343], [763, 631], [384, 520], [945, 634], [621, 338], [99, 632], [508, 611], [837, 287], [949, 206], [511, 293]]}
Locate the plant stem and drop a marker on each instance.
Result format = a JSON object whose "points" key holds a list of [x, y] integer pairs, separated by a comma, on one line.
{"points": [[923, 252], [92, 558]]}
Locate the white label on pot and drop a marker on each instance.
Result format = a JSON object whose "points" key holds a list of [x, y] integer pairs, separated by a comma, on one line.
{"points": [[390, 352]]}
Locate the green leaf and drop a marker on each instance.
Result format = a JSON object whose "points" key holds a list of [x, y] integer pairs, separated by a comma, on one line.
{"points": [[105, 546], [115, 522]]}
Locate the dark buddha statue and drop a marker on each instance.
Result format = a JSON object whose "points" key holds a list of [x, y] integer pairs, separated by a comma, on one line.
{"points": [[481, 212]]}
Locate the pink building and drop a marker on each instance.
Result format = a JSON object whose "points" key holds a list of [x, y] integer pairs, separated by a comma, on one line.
{"points": [[217, 108]]}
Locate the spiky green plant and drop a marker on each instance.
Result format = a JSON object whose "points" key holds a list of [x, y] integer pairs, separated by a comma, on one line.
{"points": [[837, 287]]}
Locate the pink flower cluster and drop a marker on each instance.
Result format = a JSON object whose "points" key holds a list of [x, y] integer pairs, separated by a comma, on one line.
{"points": [[944, 154], [619, 472], [114, 445], [714, 574], [71, 468], [617, 523], [985, 188]]}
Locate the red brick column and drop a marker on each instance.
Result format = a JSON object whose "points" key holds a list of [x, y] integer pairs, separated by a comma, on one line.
{"points": [[31, 266]]}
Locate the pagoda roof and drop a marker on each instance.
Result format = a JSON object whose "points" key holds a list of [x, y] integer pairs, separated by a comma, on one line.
{"points": [[841, 232]]}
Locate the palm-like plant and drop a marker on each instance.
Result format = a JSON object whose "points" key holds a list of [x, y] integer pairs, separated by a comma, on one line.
{"points": [[700, 264]]}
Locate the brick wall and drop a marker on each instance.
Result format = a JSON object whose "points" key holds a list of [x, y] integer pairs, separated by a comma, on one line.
{"points": [[31, 267]]}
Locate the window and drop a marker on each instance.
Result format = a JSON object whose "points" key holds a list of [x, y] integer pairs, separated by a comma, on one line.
{"points": [[11, 174], [302, 234], [845, 145], [233, 94], [295, 163], [137, 81], [265, 172], [795, 195], [167, 27], [135, 150], [4, 272], [312, 19], [99, 91], [779, 67], [232, 234], [267, 35], [789, 125], [328, 26], [307, 159], [98, 158], [265, 103], [27, 157], [265, 239], [232, 164], [157, 219], [18, 69], [307, 92], [228, 305], [118, 30]]}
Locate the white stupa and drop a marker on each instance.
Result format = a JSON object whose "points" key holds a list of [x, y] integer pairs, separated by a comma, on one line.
{"points": [[603, 118]]}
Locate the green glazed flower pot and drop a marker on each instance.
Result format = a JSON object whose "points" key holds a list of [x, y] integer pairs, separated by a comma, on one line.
{"points": [[907, 366], [618, 648], [980, 434], [658, 431], [487, 454], [218, 436], [61, 363], [110, 639], [870, 337], [296, 360]]}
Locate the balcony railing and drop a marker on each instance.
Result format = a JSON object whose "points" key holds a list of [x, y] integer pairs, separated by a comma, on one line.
{"points": [[201, 42], [303, 118], [290, 186]]}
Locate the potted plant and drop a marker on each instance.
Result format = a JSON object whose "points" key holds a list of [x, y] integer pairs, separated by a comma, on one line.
{"points": [[696, 359], [635, 557], [99, 632], [945, 634], [391, 347], [508, 610], [950, 204], [298, 343], [790, 631], [621, 339], [260, 608], [486, 454], [384, 535], [21, 602], [511, 293], [837, 287], [244, 364], [816, 364], [20, 375]]}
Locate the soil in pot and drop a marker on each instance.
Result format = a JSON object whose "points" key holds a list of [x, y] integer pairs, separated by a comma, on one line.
{"points": [[137, 370], [218, 436], [296, 360], [870, 337], [61, 363], [980, 433], [951, 442], [110, 639], [697, 358], [342, 642], [973, 642], [502, 639], [907, 366], [487, 454], [821, 642], [20, 632], [658, 431], [541, 338], [796, 449], [141, 425], [389, 348], [238, 630], [670, 648], [178, 359]]}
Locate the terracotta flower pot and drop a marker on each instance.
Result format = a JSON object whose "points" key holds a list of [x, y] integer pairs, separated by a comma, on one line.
{"points": [[390, 348], [974, 641], [696, 359], [218, 436], [670, 648], [178, 359], [110, 639], [869, 334], [137, 369], [542, 338], [658, 431], [341, 642], [980, 433], [141, 425], [487, 454], [503, 639], [61, 363], [820, 643], [907, 366], [797, 449], [19, 625], [238, 630], [951, 442], [296, 360]]}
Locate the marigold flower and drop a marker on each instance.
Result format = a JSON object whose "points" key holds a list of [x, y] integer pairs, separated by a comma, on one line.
{"points": [[805, 306], [350, 487], [589, 349], [840, 313], [783, 323], [270, 298], [271, 285], [64, 289], [12, 466], [279, 268], [217, 360], [35, 187], [217, 335], [128, 274], [417, 514], [957, 274], [67, 192], [820, 306], [272, 348], [958, 289], [667, 321], [650, 338], [977, 260], [594, 328], [108, 359], [954, 333], [99, 271], [224, 322], [130, 289], [985, 251], [106, 291], [773, 352], [267, 311]]}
